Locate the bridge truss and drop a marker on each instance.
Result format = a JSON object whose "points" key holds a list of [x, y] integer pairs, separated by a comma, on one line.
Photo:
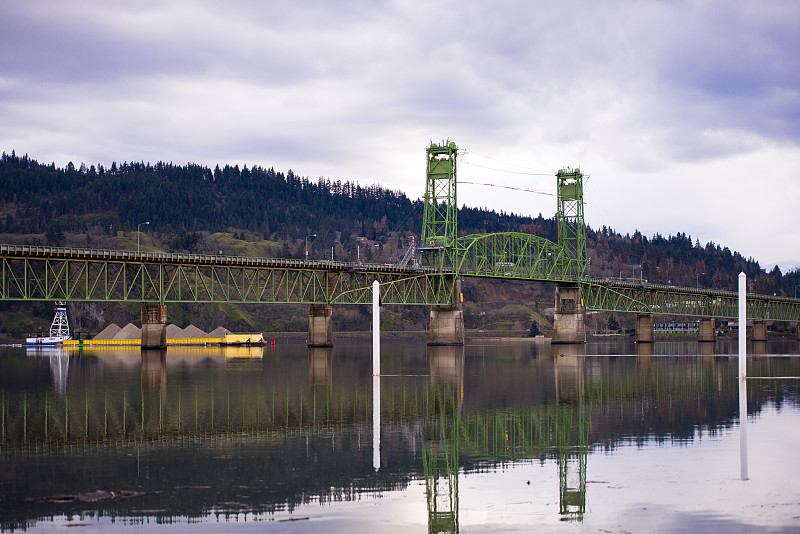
{"points": [[655, 299], [514, 255], [49, 273]]}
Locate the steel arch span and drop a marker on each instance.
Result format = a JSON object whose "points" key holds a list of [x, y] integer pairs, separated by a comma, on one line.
{"points": [[515, 255]]}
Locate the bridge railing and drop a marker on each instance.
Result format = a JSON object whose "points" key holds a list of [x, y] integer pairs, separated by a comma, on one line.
{"points": [[31, 251]]}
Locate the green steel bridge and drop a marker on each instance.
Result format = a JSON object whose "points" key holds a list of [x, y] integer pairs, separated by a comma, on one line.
{"points": [[69, 274]]}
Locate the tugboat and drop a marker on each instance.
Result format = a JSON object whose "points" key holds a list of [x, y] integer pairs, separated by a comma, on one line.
{"points": [[59, 330]]}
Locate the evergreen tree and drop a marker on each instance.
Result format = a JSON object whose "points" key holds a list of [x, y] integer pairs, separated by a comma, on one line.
{"points": [[54, 234], [534, 331]]}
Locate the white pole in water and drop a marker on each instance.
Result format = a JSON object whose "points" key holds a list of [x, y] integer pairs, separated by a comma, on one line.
{"points": [[743, 376], [376, 375], [376, 329], [742, 325]]}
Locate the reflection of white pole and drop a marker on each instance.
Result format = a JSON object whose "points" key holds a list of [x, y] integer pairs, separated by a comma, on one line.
{"points": [[742, 325], [743, 375], [376, 329], [376, 422], [743, 427]]}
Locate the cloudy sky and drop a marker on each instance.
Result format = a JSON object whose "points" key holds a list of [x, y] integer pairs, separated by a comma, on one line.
{"points": [[685, 114]]}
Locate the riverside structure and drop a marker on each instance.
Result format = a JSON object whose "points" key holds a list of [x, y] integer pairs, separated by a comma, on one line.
{"points": [[155, 279]]}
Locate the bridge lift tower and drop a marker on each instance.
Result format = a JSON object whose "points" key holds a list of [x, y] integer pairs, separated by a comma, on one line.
{"points": [[438, 245], [440, 217], [568, 324], [571, 225]]}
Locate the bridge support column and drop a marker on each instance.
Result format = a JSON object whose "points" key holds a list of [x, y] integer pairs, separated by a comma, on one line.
{"points": [[644, 329], [447, 327], [154, 326], [568, 324], [447, 322], [759, 331], [705, 330], [320, 326]]}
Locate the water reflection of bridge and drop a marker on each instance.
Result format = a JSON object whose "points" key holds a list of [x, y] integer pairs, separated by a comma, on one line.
{"points": [[574, 403], [184, 394]]}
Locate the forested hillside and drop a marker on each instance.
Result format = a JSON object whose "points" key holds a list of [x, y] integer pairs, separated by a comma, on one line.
{"points": [[176, 200], [261, 211]]}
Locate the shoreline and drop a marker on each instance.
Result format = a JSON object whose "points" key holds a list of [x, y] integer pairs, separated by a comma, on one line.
{"points": [[300, 337]]}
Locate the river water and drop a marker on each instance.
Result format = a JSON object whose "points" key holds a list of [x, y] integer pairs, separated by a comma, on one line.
{"points": [[496, 436]]}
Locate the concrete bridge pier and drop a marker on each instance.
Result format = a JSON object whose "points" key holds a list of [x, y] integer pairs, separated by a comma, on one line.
{"points": [[568, 327], [446, 326], [706, 332], [759, 331], [447, 322], [644, 328], [320, 326], [154, 326]]}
